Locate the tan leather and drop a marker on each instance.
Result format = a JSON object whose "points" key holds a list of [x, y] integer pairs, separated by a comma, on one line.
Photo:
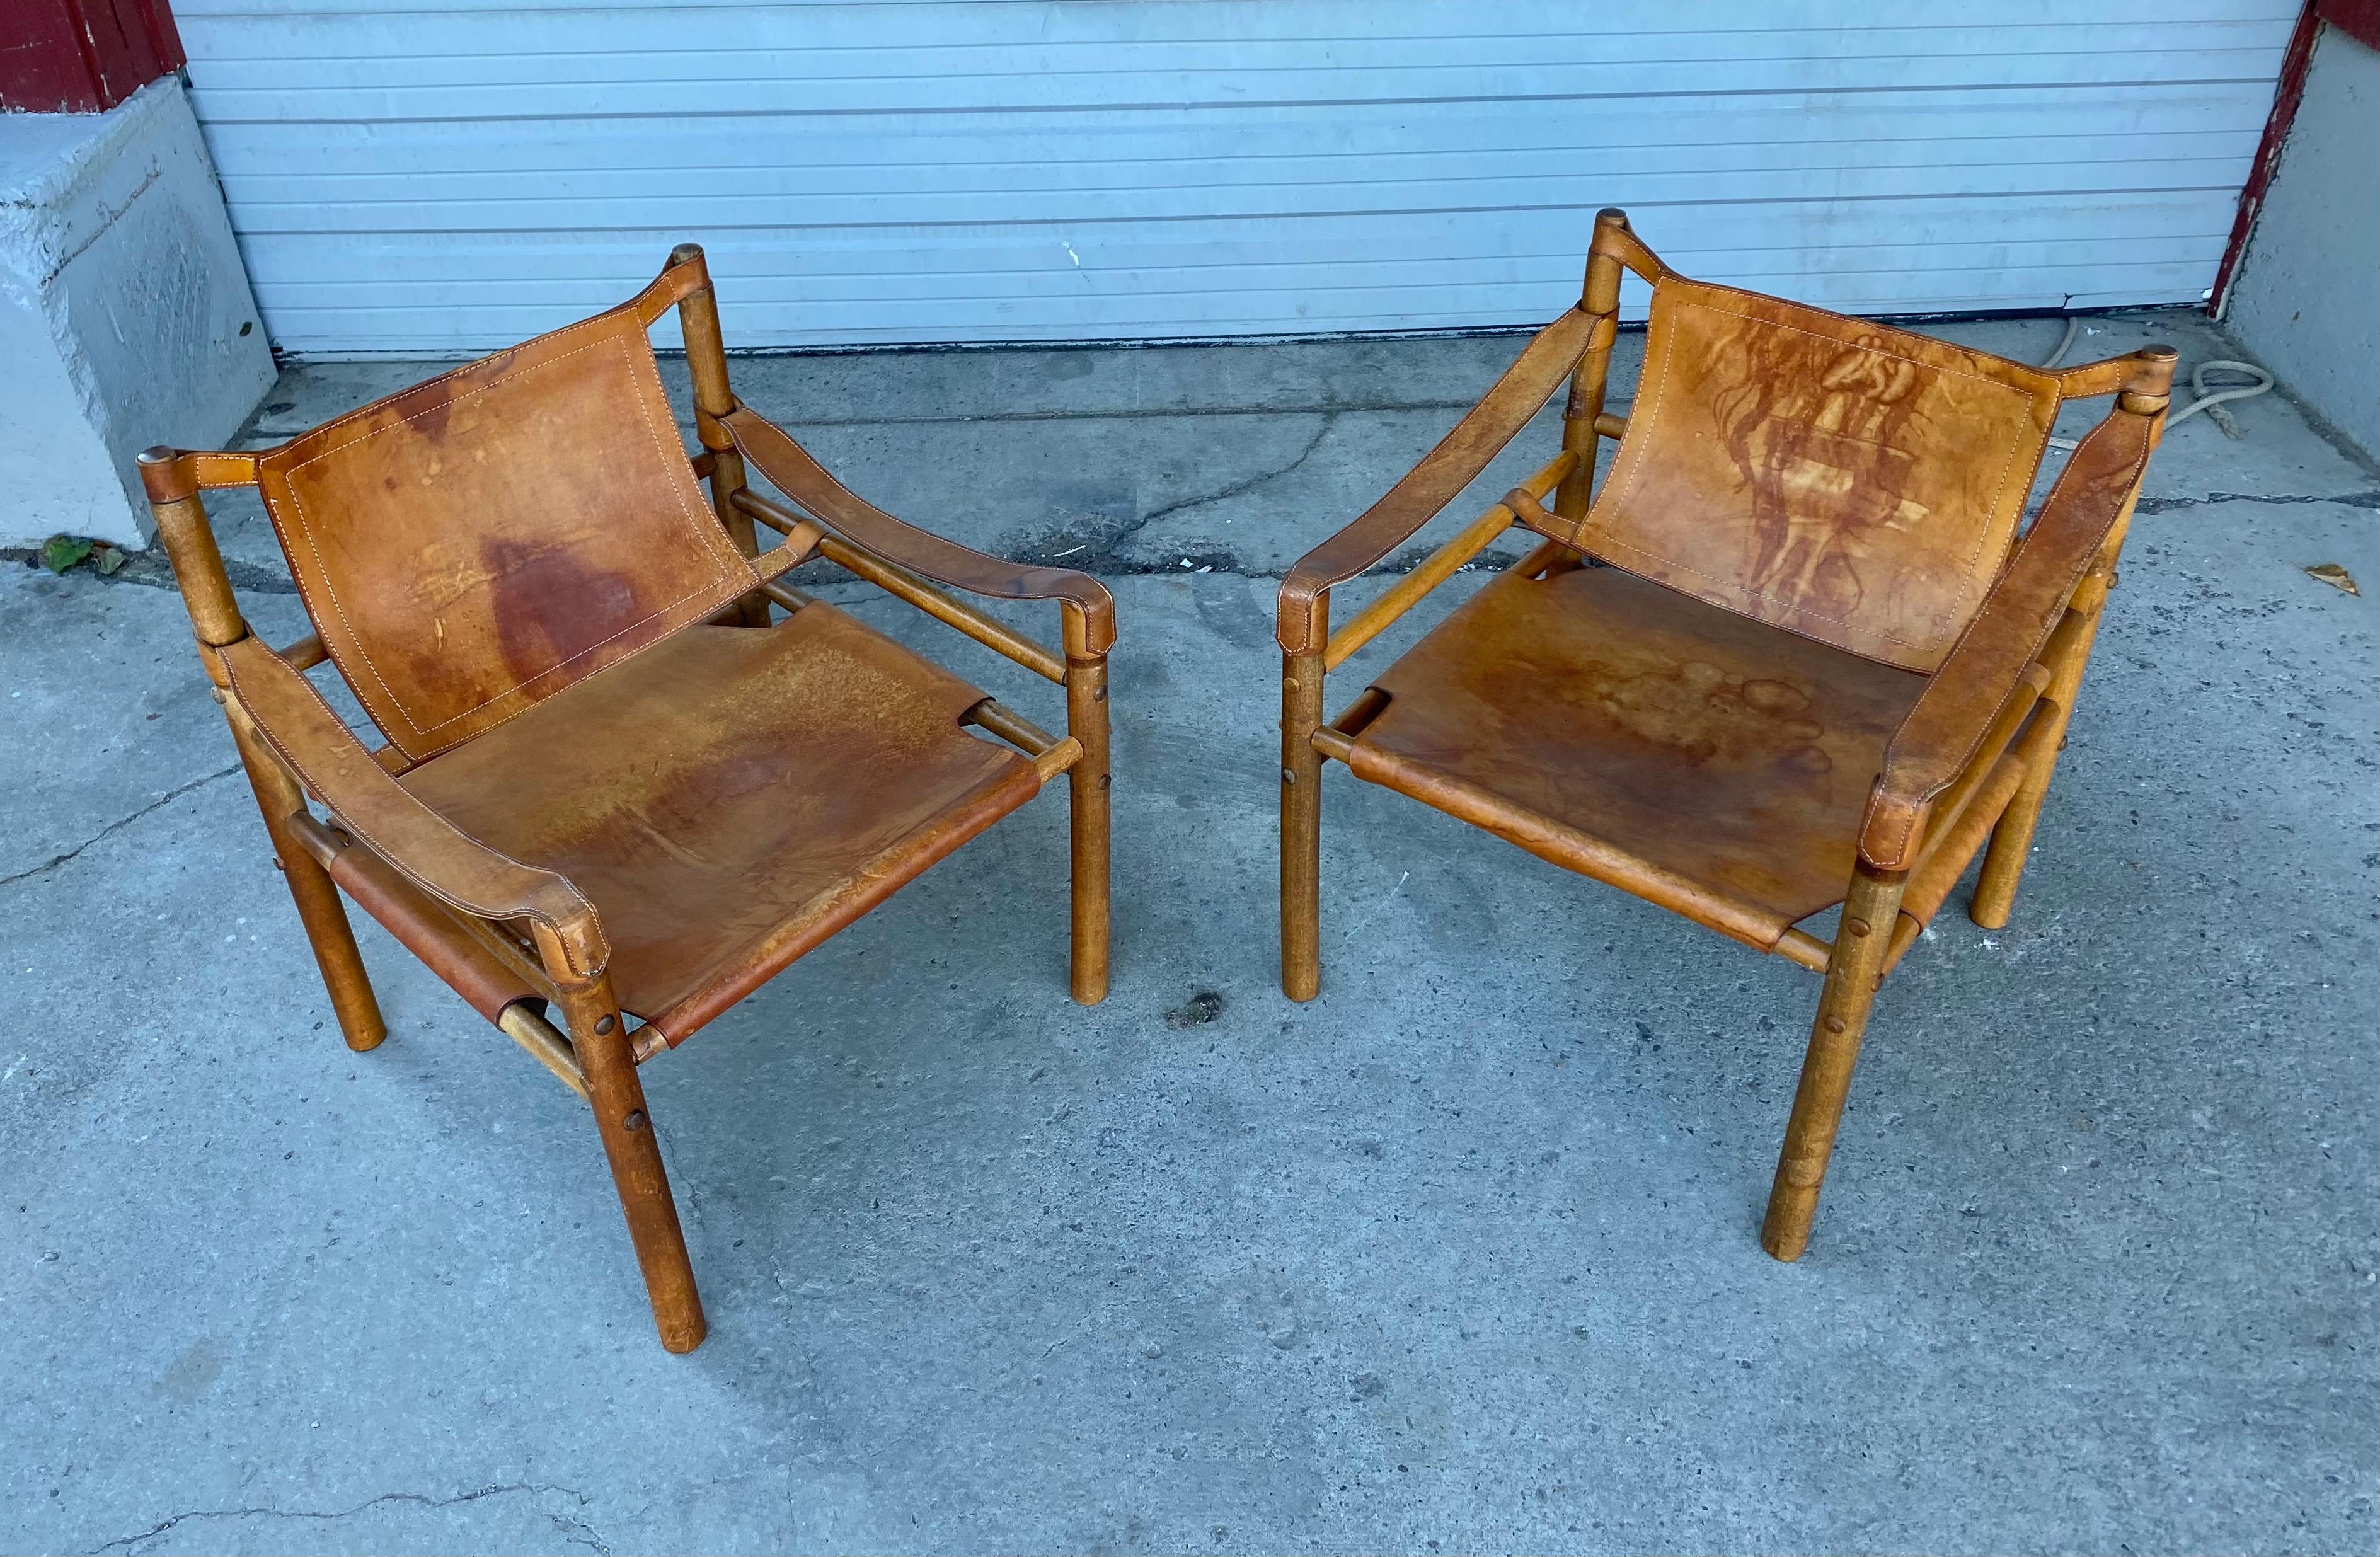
{"points": [[487, 539], [733, 797], [1442, 474], [513, 568], [773, 453], [686, 272], [429, 933], [1717, 750], [1946, 727], [427, 848], [2088, 381], [1616, 239], [1852, 482], [171, 475]]}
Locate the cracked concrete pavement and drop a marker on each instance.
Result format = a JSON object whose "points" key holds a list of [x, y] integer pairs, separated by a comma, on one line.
{"points": [[1460, 1256]]}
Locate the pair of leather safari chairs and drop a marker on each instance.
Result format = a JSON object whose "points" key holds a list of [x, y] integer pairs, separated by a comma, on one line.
{"points": [[1791, 654]]}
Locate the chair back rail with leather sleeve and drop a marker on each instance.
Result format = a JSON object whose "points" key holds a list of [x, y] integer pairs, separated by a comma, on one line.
{"points": [[1798, 649], [616, 785]]}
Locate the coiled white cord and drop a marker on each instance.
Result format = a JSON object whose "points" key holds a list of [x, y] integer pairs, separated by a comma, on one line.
{"points": [[2202, 398]]}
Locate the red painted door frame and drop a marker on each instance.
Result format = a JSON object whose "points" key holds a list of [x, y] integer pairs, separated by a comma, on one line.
{"points": [[82, 56], [2358, 19]]}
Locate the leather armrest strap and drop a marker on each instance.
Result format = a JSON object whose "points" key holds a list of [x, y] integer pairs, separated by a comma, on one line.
{"points": [[1442, 474], [1941, 733], [421, 846], [789, 466]]}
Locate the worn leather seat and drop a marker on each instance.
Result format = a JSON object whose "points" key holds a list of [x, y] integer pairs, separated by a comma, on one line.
{"points": [[730, 798], [1729, 752], [614, 786], [1791, 652]]}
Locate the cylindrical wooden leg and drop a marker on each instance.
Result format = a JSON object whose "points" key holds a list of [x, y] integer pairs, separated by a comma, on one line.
{"points": [[1088, 783], [2011, 843], [600, 1035], [1301, 827], [317, 896], [1852, 977]]}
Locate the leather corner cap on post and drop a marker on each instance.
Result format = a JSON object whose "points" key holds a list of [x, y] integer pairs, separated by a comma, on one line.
{"points": [[1884, 621], [172, 475], [791, 773], [686, 273]]}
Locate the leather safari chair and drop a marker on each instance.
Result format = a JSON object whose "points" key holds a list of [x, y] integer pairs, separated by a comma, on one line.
{"points": [[614, 784], [1794, 653]]}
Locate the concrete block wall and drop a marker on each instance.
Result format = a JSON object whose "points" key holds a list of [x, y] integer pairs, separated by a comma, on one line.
{"points": [[2307, 300], [126, 318]]}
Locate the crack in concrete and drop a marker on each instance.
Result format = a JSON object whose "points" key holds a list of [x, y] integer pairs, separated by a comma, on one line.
{"points": [[562, 1523], [1102, 557], [2167, 504], [1224, 565], [579, 1532], [799, 423], [118, 825], [151, 571]]}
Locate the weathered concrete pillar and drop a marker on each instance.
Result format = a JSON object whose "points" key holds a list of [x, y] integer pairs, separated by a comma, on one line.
{"points": [[126, 318], [2304, 302]]}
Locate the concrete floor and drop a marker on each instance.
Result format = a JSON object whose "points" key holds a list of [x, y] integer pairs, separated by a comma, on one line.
{"points": [[1459, 1256]]}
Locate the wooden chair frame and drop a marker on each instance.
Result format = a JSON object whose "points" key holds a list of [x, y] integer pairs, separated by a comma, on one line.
{"points": [[482, 920], [1967, 770]]}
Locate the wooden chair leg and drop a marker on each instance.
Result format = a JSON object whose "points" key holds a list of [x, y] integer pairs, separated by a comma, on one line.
{"points": [[1301, 827], [1851, 978], [1088, 785], [215, 619], [317, 896], [2011, 843], [599, 1035]]}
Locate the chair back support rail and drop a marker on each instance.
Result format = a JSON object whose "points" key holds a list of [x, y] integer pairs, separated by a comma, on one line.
{"points": [[1836, 479], [476, 548]]}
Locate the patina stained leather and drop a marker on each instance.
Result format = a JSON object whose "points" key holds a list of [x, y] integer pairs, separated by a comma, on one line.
{"points": [[1846, 481], [612, 786], [1783, 658], [1944, 733], [486, 538], [1712, 747], [738, 796], [426, 847]]}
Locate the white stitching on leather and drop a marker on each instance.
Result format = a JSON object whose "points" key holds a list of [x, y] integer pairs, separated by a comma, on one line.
{"points": [[601, 946], [709, 538], [1602, 533], [2139, 468]]}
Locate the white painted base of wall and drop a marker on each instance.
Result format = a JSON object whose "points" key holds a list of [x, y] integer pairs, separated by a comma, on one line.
{"points": [[2307, 302], [126, 318]]}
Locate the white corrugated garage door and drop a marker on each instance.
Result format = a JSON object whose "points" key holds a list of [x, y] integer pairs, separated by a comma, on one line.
{"points": [[437, 179]]}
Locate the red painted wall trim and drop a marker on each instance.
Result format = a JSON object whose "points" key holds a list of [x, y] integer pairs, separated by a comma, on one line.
{"points": [[2360, 19], [82, 56], [2286, 93]]}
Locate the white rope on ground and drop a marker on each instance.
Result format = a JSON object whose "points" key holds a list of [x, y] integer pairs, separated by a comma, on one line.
{"points": [[2202, 397], [2073, 323]]}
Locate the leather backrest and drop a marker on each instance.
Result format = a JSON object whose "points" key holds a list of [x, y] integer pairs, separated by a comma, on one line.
{"points": [[480, 542], [1848, 481]]}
